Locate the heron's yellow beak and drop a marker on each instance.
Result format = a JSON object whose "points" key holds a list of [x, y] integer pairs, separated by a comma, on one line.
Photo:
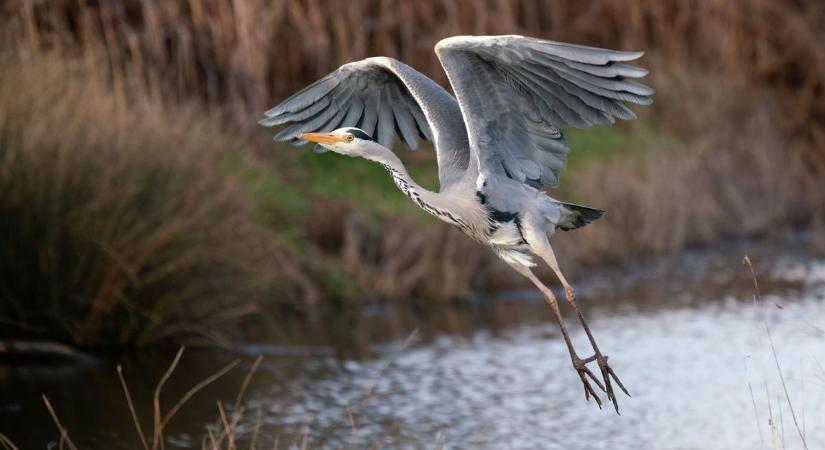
{"points": [[322, 138]]}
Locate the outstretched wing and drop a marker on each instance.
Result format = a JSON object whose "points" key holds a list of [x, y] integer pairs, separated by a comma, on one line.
{"points": [[517, 92], [385, 98]]}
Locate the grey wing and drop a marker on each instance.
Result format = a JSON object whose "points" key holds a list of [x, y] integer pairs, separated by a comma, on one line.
{"points": [[385, 98], [517, 92]]}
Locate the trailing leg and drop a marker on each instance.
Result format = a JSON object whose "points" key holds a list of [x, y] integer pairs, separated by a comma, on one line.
{"points": [[585, 374], [607, 372]]}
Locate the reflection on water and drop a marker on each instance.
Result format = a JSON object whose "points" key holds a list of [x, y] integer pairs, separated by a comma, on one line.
{"points": [[498, 376]]}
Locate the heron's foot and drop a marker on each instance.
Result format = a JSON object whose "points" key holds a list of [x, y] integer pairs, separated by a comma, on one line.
{"points": [[586, 375], [605, 384], [609, 376]]}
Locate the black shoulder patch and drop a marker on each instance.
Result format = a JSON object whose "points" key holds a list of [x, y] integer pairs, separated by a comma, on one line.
{"points": [[494, 214], [502, 216]]}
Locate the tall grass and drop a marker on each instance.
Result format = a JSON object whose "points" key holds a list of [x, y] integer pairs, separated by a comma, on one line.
{"points": [[737, 176], [740, 96], [117, 227], [240, 56], [223, 438]]}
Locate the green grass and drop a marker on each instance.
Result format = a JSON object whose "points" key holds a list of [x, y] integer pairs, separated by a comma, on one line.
{"points": [[599, 144], [285, 196], [365, 182], [278, 203]]}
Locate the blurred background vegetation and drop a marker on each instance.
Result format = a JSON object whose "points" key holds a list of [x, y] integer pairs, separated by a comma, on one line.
{"points": [[140, 204]]}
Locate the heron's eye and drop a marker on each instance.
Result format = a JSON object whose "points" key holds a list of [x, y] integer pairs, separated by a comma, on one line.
{"points": [[350, 138]]}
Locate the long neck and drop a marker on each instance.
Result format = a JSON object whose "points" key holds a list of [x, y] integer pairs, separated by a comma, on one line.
{"points": [[434, 203], [400, 176]]}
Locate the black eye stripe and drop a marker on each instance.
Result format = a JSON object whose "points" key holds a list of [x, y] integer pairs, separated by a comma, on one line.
{"points": [[360, 135]]}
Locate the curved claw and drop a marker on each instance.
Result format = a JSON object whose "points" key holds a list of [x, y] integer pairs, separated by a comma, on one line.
{"points": [[618, 381], [588, 389], [581, 366], [607, 375], [605, 384]]}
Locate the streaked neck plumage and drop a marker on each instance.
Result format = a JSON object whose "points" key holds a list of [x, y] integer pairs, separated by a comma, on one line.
{"points": [[449, 208]]}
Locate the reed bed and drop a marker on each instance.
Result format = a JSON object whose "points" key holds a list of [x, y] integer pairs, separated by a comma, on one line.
{"points": [[737, 177], [117, 228], [241, 56], [740, 92], [224, 435], [237, 424]]}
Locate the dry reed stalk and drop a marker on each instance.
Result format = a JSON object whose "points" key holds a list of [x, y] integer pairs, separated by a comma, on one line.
{"points": [[756, 415], [138, 218], [64, 435], [757, 299], [161, 420], [228, 427], [247, 54], [195, 389], [401, 259], [7, 443], [131, 406], [157, 436]]}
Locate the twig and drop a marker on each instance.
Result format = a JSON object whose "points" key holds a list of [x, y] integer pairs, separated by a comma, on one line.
{"points": [[757, 300], [253, 444], [246, 381], [206, 381], [157, 438], [237, 410], [756, 415], [138, 428], [64, 435], [785, 388], [7, 443], [212, 439], [771, 420], [230, 435]]}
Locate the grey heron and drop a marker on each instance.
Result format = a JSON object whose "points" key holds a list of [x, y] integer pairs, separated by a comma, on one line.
{"points": [[498, 142]]}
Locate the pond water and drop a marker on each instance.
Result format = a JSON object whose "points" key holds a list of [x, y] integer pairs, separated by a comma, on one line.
{"points": [[683, 333]]}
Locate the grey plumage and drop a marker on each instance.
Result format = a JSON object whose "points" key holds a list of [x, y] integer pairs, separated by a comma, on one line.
{"points": [[536, 87], [498, 141]]}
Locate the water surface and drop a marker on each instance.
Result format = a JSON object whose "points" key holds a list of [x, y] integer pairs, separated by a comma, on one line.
{"points": [[683, 333]]}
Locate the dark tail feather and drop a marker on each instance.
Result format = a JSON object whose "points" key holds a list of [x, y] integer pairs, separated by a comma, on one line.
{"points": [[577, 216]]}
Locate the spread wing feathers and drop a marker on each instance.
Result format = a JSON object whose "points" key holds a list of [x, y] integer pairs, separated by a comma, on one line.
{"points": [[363, 94], [517, 92]]}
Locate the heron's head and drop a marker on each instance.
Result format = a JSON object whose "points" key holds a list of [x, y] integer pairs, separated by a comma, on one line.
{"points": [[348, 141]]}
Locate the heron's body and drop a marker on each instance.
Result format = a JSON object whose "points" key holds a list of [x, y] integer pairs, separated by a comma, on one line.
{"points": [[498, 141], [468, 206], [469, 210]]}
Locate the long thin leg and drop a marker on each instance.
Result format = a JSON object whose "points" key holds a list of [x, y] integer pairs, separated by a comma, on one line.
{"points": [[607, 371], [579, 363]]}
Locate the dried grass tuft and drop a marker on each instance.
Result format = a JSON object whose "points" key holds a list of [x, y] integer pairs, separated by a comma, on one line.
{"points": [[118, 227], [740, 87]]}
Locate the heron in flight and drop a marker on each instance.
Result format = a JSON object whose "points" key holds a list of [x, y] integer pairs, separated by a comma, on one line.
{"points": [[498, 142]]}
